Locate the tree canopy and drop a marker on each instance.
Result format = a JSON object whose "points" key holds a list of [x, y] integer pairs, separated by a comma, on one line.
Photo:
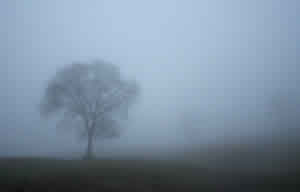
{"points": [[91, 98]]}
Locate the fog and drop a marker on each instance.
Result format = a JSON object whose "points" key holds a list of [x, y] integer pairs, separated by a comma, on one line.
{"points": [[208, 70]]}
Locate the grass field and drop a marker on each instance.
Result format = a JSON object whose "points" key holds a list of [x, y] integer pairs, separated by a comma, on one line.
{"points": [[41, 174]]}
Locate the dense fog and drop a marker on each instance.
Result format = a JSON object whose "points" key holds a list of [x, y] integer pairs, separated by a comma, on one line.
{"points": [[212, 73]]}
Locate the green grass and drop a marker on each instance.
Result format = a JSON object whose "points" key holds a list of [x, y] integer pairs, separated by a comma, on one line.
{"points": [[136, 175], [41, 174]]}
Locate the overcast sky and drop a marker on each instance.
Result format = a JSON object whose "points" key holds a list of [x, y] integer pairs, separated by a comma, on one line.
{"points": [[219, 60]]}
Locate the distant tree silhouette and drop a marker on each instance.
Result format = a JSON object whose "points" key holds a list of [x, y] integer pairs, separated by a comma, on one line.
{"points": [[284, 114], [92, 98]]}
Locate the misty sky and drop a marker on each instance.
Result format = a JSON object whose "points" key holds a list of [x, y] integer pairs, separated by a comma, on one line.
{"points": [[219, 60]]}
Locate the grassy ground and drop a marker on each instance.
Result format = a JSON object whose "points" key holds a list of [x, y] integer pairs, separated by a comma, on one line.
{"points": [[40, 174]]}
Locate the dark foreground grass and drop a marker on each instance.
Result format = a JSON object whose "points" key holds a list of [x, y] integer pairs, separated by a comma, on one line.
{"points": [[40, 174]]}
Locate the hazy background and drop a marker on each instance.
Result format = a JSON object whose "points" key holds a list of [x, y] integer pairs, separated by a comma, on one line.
{"points": [[207, 69]]}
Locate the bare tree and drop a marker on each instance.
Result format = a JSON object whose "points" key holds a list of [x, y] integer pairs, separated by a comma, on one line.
{"points": [[91, 98]]}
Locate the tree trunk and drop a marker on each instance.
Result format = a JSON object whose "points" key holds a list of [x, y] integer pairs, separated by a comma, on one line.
{"points": [[89, 149]]}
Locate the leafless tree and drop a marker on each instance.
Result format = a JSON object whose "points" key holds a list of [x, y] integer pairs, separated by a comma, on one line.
{"points": [[90, 97]]}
